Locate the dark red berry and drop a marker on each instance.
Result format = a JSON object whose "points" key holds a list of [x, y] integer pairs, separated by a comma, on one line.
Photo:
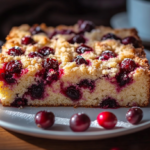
{"points": [[73, 93], [130, 40], [27, 40], [52, 76], [128, 65], [36, 91], [80, 60], [13, 66], [44, 119], [8, 78], [87, 84], [45, 51], [106, 55], [50, 63], [107, 120], [123, 79], [109, 103], [15, 51], [134, 115], [36, 30], [64, 31], [85, 26], [77, 39], [35, 54], [110, 36], [79, 122], [83, 48], [19, 102]]}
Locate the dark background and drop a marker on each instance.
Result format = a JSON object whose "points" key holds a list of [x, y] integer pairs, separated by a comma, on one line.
{"points": [[55, 12]]}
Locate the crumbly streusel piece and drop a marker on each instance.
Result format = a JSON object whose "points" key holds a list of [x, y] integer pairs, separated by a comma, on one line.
{"points": [[80, 65]]}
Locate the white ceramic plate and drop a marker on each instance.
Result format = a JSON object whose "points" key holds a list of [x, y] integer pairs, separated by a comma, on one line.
{"points": [[121, 21], [22, 121]]}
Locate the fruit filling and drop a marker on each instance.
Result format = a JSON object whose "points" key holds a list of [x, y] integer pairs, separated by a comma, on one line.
{"points": [[36, 30], [87, 84], [35, 54], [45, 51], [110, 36], [50, 63], [27, 40], [77, 39], [19, 102], [80, 60]]}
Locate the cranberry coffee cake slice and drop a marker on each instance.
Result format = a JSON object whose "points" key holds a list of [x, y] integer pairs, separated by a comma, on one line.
{"points": [[80, 65]]}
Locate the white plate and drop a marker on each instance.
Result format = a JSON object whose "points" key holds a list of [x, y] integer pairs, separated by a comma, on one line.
{"points": [[22, 121], [121, 21]]}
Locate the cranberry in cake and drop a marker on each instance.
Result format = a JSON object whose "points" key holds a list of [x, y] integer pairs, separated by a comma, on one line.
{"points": [[79, 65]]}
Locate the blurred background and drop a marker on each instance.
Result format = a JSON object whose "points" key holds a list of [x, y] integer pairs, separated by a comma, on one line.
{"points": [[55, 12]]}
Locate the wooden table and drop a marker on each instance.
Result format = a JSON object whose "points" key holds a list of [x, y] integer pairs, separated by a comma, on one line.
{"points": [[14, 141]]}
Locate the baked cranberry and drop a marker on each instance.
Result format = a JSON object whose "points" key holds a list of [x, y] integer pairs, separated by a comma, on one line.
{"points": [[27, 40], [106, 55], [73, 93], [19, 102], [107, 120], [36, 30], [123, 79], [128, 65], [109, 103], [85, 26], [134, 115], [46, 51], [44, 119], [77, 39], [87, 84], [80, 60], [52, 76], [79, 122], [35, 54], [83, 48], [110, 36], [15, 51], [64, 31], [36, 91], [130, 40], [50, 63], [13, 66]]}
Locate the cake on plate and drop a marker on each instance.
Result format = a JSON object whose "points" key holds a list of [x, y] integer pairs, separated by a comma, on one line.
{"points": [[79, 65]]}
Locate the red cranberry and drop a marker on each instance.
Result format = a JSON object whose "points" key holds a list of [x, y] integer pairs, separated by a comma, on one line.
{"points": [[44, 119], [8, 78], [77, 39], [130, 40], [46, 51], [19, 102], [73, 93], [52, 77], [15, 51], [79, 122], [13, 66], [106, 55], [80, 60], [134, 115], [27, 40], [50, 63], [36, 30], [35, 54], [87, 84], [128, 65], [85, 26], [83, 48], [123, 79], [107, 120], [109, 103], [110, 36], [64, 31], [36, 91]]}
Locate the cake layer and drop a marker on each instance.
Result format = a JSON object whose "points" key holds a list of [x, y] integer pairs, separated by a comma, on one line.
{"points": [[80, 65]]}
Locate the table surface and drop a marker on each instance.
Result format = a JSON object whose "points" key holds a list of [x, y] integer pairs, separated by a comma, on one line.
{"points": [[14, 141]]}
